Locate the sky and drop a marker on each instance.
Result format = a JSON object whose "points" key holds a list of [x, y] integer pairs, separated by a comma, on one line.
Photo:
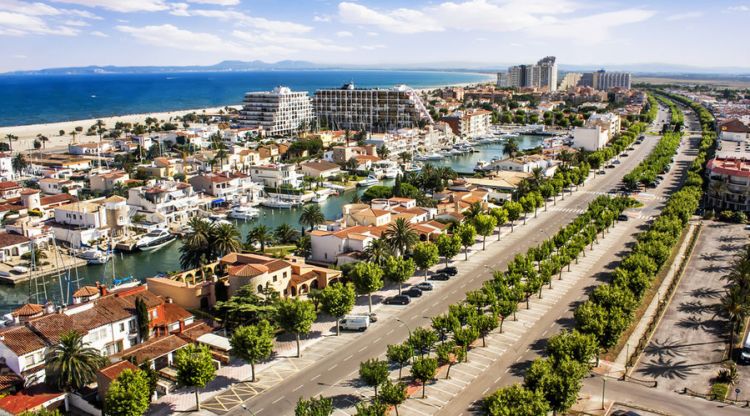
{"points": [[62, 33]]}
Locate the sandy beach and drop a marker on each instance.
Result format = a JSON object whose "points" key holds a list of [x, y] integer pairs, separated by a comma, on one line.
{"points": [[28, 133]]}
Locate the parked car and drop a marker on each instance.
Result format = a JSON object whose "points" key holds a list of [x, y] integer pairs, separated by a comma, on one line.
{"points": [[450, 271], [610, 166], [616, 162], [624, 155], [397, 300], [412, 292], [745, 353], [355, 322], [424, 286], [622, 217], [601, 172], [440, 276]]}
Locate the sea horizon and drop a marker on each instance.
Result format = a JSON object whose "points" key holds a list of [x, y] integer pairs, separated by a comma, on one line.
{"points": [[43, 99]]}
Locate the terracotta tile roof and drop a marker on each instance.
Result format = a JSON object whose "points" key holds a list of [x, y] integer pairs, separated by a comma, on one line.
{"points": [[21, 340], [50, 327], [277, 265], [29, 191], [321, 165], [85, 291], [57, 199], [172, 313], [28, 399], [247, 270], [8, 239], [734, 126], [8, 185], [28, 309], [153, 348], [113, 370], [8, 378], [196, 329]]}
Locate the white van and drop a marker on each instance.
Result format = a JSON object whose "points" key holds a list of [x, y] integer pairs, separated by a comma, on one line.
{"points": [[355, 322], [745, 353]]}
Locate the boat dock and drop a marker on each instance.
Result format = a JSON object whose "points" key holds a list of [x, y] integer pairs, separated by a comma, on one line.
{"points": [[55, 266]]}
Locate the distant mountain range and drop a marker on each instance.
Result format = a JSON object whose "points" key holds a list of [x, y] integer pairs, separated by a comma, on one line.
{"points": [[655, 69]]}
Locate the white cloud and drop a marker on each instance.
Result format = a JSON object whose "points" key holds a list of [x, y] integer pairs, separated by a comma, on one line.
{"points": [[99, 34], [740, 8], [344, 34], [251, 22], [17, 24], [398, 21], [19, 56], [684, 16], [179, 9], [321, 18], [372, 47], [553, 18], [76, 23], [217, 2], [171, 36], [290, 43], [372, 34], [123, 6]]}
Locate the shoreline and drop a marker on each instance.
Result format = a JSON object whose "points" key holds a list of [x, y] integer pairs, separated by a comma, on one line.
{"points": [[27, 133]]}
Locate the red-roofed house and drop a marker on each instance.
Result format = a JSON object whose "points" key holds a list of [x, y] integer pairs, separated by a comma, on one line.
{"points": [[734, 130], [31, 400]]}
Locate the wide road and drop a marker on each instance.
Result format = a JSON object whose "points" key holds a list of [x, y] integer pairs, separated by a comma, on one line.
{"points": [[282, 399], [554, 322]]}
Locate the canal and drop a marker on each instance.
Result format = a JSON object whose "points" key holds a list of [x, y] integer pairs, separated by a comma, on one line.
{"points": [[141, 265]]}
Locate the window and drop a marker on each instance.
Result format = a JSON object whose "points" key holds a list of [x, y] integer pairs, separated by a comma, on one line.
{"points": [[260, 288], [122, 326], [274, 278], [284, 275]]}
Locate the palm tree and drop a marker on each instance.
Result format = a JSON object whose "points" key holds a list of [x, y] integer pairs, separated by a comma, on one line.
{"points": [[378, 251], [11, 138], [37, 254], [718, 190], [474, 210], [734, 306], [19, 163], [200, 232], [226, 239], [259, 235], [400, 236], [42, 138], [537, 174], [73, 135], [311, 216], [285, 234], [72, 364], [511, 147]]}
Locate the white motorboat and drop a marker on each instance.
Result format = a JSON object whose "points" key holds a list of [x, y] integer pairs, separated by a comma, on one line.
{"points": [[19, 269], [413, 167], [154, 240], [481, 165], [217, 216], [95, 256], [370, 180], [434, 156], [242, 212], [276, 203], [392, 173]]}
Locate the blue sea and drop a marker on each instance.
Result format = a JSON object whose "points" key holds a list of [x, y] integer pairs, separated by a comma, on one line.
{"points": [[35, 99]]}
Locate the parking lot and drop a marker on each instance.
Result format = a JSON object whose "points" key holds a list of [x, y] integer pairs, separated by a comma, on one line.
{"points": [[688, 346]]}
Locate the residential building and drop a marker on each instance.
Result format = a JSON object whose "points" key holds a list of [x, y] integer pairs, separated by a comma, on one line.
{"points": [[320, 169], [525, 164], [469, 123], [598, 130], [167, 201], [84, 222], [13, 245], [370, 109], [7, 173], [160, 168], [54, 186], [570, 80], [89, 148], [279, 112], [276, 176], [342, 154], [363, 214], [107, 181], [734, 130], [542, 75], [602, 80], [227, 187], [10, 189], [609, 121], [342, 246]]}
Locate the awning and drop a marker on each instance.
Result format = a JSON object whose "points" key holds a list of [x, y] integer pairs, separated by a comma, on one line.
{"points": [[216, 341], [218, 201]]}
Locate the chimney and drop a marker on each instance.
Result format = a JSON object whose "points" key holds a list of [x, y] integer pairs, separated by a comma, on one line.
{"points": [[170, 300]]}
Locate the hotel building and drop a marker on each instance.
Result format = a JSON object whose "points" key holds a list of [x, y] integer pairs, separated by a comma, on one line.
{"points": [[279, 112]]}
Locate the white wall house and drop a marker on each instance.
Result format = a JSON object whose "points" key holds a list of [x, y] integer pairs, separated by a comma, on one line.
{"points": [[590, 138], [275, 176], [327, 246], [171, 201]]}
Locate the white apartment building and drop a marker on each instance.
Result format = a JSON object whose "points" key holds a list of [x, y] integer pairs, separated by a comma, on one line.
{"points": [[469, 123], [329, 246], [276, 176], [6, 167], [278, 112], [542, 75], [370, 109], [734, 130], [230, 187], [610, 121], [167, 201]]}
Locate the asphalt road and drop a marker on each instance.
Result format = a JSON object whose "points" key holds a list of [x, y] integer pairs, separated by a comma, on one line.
{"points": [[511, 367], [315, 379]]}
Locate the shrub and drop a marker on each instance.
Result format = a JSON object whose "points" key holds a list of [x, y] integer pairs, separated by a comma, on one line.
{"points": [[719, 391]]}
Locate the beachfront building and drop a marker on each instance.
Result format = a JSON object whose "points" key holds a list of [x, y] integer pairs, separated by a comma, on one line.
{"points": [[542, 75], [278, 112], [7, 173], [469, 123], [370, 109], [227, 187], [85, 222]]}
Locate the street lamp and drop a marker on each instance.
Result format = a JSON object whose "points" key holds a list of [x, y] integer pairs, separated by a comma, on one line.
{"points": [[604, 386], [408, 329]]}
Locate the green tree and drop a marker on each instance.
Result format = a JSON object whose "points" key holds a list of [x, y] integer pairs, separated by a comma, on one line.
{"points": [[378, 251], [19, 163], [321, 406], [422, 340], [374, 408], [448, 246], [485, 224], [142, 318], [501, 217], [516, 400], [424, 370], [71, 364], [559, 381], [448, 353], [260, 235], [393, 394], [468, 235], [128, 394], [296, 316], [195, 368], [367, 278], [400, 354], [253, 343], [311, 216], [373, 372], [399, 270], [285, 234], [225, 239], [514, 210], [425, 255], [338, 300], [484, 324], [400, 236], [573, 345]]}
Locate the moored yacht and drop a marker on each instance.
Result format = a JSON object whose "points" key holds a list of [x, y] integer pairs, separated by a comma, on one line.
{"points": [[154, 240]]}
